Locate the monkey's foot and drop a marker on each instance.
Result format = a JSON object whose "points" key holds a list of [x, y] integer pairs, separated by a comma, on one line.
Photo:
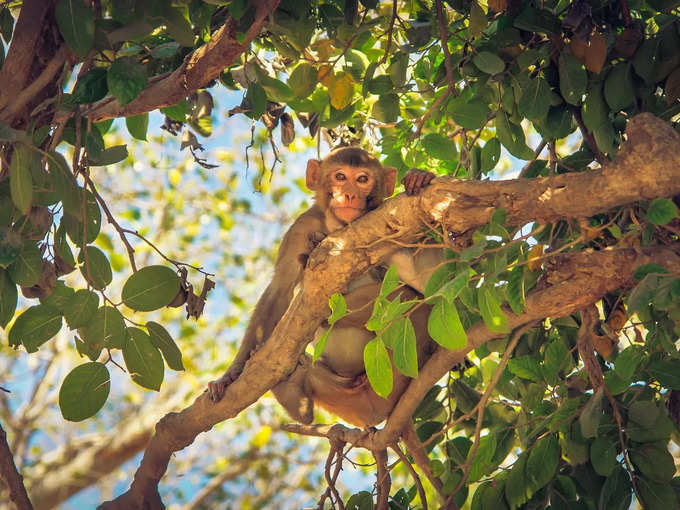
{"points": [[217, 387], [359, 380]]}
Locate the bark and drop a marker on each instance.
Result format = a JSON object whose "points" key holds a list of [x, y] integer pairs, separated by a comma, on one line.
{"points": [[198, 70], [645, 168], [10, 476]]}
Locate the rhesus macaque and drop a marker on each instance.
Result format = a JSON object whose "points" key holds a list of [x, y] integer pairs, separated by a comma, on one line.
{"points": [[347, 184]]}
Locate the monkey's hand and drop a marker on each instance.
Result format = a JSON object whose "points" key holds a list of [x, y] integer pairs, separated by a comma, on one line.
{"points": [[313, 240], [415, 180]]}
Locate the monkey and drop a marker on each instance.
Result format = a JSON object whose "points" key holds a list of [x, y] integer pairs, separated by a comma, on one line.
{"points": [[347, 184]]}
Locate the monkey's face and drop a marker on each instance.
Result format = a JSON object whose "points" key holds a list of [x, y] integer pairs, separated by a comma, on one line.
{"points": [[348, 191]]}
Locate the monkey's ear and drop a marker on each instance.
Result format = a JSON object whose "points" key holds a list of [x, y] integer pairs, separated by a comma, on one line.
{"points": [[390, 180], [313, 175]]}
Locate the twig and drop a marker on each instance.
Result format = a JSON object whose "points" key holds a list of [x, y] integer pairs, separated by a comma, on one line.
{"points": [[588, 137], [444, 37], [12, 477], [383, 482], [438, 102], [112, 221], [589, 318], [481, 405], [172, 261], [336, 455], [537, 153], [390, 30], [416, 478]]}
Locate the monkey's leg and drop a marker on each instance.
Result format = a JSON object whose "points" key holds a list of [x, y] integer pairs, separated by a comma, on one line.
{"points": [[293, 395]]}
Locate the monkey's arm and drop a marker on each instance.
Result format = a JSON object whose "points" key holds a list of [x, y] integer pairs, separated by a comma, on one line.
{"points": [[275, 299]]}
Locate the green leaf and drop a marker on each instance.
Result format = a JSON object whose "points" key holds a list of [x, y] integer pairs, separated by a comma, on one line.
{"points": [[20, 181], [616, 492], [150, 288], [27, 267], [401, 337], [656, 496], [478, 20], [80, 308], [178, 27], [488, 62], [258, 99], [381, 84], [137, 126], [338, 308], [90, 87], [512, 137], [644, 412], [445, 327], [6, 25], [390, 281], [516, 295], [84, 391], [109, 156], [360, 501], [482, 462], [535, 100], [276, 89], [106, 329], [161, 339], [386, 108], [537, 20], [452, 288], [440, 147], [494, 318], [303, 80], [142, 360], [95, 267], [178, 112], [654, 461], [76, 24], [321, 343], [619, 91], [126, 78], [590, 416], [573, 78], [75, 228], [667, 372], [594, 110], [378, 367], [542, 462], [491, 154], [8, 298], [603, 454], [489, 495], [641, 271], [34, 327], [525, 367], [517, 489], [471, 114], [7, 134], [661, 211]]}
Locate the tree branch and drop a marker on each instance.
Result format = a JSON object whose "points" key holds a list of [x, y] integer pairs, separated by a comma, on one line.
{"points": [[202, 66], [11, 477], [644, 169], [22, 50]]}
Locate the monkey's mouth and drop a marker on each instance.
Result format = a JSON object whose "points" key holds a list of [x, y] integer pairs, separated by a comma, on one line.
{"points": [[347, 214]]}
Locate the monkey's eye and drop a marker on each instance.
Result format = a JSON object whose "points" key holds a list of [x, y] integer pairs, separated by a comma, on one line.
{"points": [[340, 176], [363, 179]]}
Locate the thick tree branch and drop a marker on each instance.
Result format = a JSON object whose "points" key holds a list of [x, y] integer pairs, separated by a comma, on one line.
{"points": [[202, 66], [644, 169], [11, 477], [22, 50]]}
